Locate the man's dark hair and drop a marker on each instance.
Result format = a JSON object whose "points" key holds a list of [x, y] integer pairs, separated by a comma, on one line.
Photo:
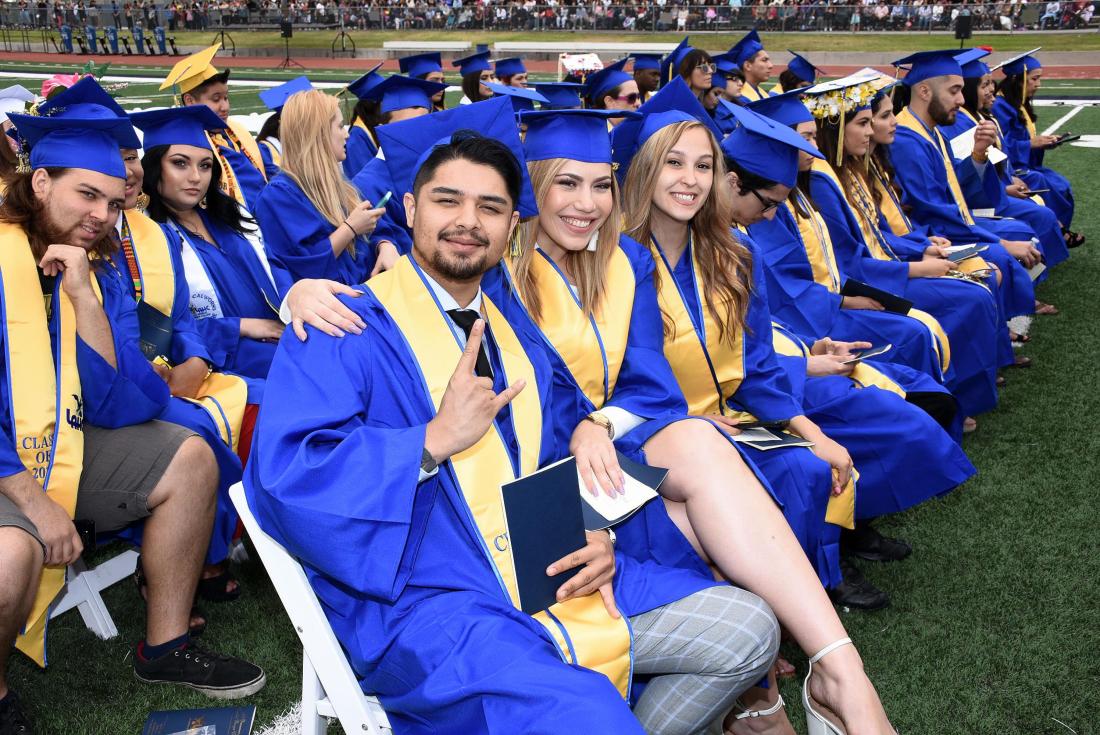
{"points": [[221, 207], [219, 78], [747, 180], [469, 145], [790, 81]]}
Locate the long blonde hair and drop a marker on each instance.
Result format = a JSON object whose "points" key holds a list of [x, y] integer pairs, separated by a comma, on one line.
{"points": [[724, 263], [308, 158], [588, 269]]}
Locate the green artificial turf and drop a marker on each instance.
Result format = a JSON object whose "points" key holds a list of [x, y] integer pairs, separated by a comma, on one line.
{"points": [[993, 628]]}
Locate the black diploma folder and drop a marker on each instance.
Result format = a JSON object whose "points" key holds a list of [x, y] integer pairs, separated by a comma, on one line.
{"points": [[545, 523], [893, 303], [156, 331]]}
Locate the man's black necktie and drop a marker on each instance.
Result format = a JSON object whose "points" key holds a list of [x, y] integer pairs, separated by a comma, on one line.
{"points": [[465, 319]]}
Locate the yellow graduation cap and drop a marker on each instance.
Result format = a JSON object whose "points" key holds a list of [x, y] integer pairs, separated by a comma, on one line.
{"points": [[193, 70]]}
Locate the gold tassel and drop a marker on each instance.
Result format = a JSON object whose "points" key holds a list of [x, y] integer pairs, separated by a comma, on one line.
{"points": [[23, 163], [840, 138], [515, 245]]}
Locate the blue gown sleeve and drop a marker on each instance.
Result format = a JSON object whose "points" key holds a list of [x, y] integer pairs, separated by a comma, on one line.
{"points": [[359, 150], [847, 238], [250, 179], [1016, 137], [270, 167], [793, 294], [925, 190], [765, 391], [295, 234], [646, 385], [322, 428]]}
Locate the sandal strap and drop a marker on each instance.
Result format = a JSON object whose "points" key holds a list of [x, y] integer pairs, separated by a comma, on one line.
{"points": [[753, 713], [829, 649]]}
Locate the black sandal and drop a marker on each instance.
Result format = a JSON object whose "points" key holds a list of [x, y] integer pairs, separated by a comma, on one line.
{"points": [[195, 629], [1073, 239], [213, 589]]}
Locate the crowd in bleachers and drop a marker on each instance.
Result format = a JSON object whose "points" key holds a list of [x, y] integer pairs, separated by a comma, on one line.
{"points": [[797, 296]]}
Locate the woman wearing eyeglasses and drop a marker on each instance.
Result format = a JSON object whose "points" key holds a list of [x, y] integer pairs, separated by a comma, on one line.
{"points": [[697, 69]]}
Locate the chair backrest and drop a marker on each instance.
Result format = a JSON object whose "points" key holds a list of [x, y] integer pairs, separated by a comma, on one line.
{"points": [[357, 713]]}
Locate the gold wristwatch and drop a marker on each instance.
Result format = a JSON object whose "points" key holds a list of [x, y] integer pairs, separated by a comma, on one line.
{"points": [[601, 420]]}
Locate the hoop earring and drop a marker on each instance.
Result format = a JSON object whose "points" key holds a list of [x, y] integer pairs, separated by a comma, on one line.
{"points": [[202, 202], [142, 202]]}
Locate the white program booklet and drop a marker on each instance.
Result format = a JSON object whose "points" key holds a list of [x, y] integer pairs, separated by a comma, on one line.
{"points": [[962, 145]]}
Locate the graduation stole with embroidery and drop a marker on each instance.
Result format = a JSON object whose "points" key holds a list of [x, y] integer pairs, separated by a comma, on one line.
{"points": [[46, 405], [237, 137], [222, 396], [585, 634], [841, 509], [591, 347], [907, 119], [708, 369], [817, 244]]}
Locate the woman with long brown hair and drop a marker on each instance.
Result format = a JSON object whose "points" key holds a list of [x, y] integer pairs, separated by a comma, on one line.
{"points": [[717, 337], [313, 221]]}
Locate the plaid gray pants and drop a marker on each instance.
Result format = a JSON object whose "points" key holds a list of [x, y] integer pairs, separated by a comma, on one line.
{"points": [[703, 652]]}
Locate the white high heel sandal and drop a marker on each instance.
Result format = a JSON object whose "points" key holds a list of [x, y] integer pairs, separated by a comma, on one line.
{"points": [[816, 723], [749, 714]]}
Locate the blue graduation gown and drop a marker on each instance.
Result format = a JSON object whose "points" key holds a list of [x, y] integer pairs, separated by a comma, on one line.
{"points": [[250, 178], [297, 237], [373, 182], [928, 199], [244, 290], [1028, 162], [903, 456], [399, 566], [800, 480], [813, 311], [116, 285], [359, 149]]}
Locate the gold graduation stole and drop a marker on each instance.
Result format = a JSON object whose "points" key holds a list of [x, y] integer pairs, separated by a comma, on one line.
{"points": [[777, 89], [817, 244], [363, 126], [1029, 122], [223, 396], [582, 625], [708, 369], [46, 403], [907, 119], [276, 154], [891, 206], [591, 347], [841, 509], [751, 93], [875, 242]]}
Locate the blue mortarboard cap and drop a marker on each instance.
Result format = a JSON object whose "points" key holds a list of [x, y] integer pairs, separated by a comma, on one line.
{"points": [[177, 126], [785, 109], [929, 64], [1020, 63], [473, 64], [561, 95], [747, 47], [646, 61], [87, 100], [801, 67], [90, 141], [579, 135], [276, 97], [670, 63], [482, 48], [673, 103], [970, 61], [367, 82], [606, 79], [408, 143], [509, 67], [764, 146], [420, 64], [725, 63], [396, 92], [522, 97]]}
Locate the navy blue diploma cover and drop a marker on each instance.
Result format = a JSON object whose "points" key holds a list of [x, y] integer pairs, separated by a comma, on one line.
{"points": [[545, 523]]}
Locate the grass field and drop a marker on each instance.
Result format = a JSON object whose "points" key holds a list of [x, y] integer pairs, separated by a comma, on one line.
{"points": [[993, 628], [810, 41]]}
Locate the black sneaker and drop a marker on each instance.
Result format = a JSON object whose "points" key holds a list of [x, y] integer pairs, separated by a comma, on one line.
{"points": [[867, 543], [215, 675], [856, 591], [12, 719]]}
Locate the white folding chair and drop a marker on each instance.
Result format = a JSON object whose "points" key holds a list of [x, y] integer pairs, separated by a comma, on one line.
{"points": [[82, 591], [329, 687]]}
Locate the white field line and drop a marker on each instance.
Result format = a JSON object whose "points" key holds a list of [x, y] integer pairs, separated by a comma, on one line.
{"points": [[1063, 120]]}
